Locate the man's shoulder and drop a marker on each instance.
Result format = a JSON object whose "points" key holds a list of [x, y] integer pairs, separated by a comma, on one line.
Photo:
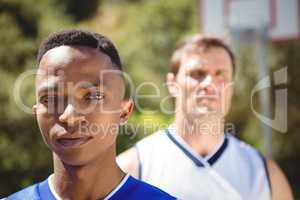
{"points": [[140, 190], [153, 138], [30, 192], [247, 152], [241, 144]]}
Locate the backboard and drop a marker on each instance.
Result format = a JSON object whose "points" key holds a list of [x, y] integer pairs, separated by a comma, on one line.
{"points": [[281, 17]]}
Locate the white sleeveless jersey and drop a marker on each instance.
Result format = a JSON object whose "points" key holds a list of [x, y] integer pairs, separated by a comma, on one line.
{"points": [[234, 171]]}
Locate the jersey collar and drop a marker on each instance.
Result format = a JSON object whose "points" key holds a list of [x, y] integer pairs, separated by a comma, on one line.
{"points": [[191, 154], [47, 192]]}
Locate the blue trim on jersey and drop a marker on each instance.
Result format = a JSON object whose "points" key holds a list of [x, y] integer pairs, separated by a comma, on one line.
{"points": [[211, 160], [185, 151], [140, 166], [220, 151]]}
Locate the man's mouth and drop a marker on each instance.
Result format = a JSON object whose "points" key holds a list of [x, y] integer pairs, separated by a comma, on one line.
{"points": [[204, 95], [206, 99], [69, 142]]}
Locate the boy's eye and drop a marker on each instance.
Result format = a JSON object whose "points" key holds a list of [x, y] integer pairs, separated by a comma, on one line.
{"points": [[48, 99], [94, 96]]}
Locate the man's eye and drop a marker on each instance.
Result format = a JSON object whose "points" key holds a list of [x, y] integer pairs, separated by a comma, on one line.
{"points": [[219, 73], [94, 96], [197, 75]]}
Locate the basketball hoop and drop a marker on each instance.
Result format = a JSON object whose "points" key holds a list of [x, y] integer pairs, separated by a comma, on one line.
{"points": [[217, 16], [254, 22]]}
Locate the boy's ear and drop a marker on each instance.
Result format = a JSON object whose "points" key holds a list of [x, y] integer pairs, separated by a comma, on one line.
{"points": [[127, 108], [33, 109], [171, 84]]}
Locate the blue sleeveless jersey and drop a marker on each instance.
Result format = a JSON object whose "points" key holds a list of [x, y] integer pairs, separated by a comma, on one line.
{"points": [[130, 189]]}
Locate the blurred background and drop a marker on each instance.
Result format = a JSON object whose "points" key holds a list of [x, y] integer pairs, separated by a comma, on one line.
{"points": [[145, 33]]}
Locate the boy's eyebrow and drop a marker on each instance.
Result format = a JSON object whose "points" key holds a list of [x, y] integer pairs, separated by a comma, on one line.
{"points": [[96, 83], [49, 84], [84, 85], [46, 88]]}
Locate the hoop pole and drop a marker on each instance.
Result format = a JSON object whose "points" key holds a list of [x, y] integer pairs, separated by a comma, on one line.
{"points": [[265, 100]]}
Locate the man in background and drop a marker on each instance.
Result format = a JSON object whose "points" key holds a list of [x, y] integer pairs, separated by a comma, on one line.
{"points": [[195, 157]]}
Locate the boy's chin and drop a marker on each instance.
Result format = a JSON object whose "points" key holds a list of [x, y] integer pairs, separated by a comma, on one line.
{"points": [[74, 158]]}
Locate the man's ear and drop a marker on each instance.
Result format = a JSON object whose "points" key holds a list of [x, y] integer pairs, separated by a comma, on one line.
{"points": [[127, 108], [33, 109], [171, 84]]}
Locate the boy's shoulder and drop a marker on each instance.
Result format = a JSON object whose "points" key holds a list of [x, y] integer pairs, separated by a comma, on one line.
{"points": [[136, 189], [132, 189], [30, 192]]}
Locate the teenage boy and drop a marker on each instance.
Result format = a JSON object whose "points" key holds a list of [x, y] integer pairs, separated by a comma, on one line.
{"points": [[79, 106]]}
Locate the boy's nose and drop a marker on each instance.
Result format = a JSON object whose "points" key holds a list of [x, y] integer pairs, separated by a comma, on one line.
{"points": [[70, 116]]}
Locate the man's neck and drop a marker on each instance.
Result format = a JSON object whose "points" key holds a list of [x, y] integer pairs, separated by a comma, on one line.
{"points": [[91, 181], [203, 134]]}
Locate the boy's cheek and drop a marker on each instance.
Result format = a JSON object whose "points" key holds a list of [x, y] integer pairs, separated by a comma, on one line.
{"points": [[45, 124], [43, 112], [46, 136]]}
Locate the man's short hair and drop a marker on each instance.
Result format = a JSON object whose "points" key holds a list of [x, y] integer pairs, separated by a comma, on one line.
{"points": [[82, 38], [199, 42]]}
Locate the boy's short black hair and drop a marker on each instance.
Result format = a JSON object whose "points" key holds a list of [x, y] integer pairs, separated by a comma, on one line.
{"points": [[83, 38]]}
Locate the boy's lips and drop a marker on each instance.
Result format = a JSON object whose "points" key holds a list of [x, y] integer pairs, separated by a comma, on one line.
{"points": [[71, 141]]}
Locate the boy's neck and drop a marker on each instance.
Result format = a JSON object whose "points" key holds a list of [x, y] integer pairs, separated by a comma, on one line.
{"points": [[94, 180]]}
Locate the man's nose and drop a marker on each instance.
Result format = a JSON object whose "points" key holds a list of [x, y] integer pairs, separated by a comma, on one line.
{"points": [[207, 80], [208, 84], [70, 116]]}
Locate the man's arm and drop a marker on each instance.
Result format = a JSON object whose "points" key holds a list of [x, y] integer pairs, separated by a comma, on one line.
{"points": [[279, 183], [128, 162]]}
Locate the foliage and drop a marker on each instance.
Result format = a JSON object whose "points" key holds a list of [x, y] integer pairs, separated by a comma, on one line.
{"points": [[23, 156], [78, 9]]}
